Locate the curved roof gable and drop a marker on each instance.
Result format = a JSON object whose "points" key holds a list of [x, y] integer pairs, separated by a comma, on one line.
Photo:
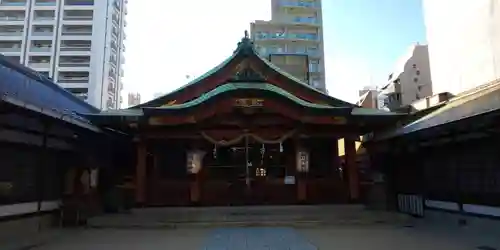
{"points": [[225, 72]]}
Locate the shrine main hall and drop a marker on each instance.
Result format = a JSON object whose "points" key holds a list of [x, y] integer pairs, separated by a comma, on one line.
{"points": [[244, 133]]}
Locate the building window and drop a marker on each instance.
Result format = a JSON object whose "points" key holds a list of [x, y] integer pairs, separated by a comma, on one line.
{"points": [[314, 82], [414, 66], [314, 66], [415, 79], [418, 72]]}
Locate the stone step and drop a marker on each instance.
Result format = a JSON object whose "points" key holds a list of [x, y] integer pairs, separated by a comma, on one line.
{"points": [[251, 216]]}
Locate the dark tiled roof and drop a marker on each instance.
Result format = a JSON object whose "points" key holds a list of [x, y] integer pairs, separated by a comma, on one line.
{"points": [[480, 100], [29, 86]]}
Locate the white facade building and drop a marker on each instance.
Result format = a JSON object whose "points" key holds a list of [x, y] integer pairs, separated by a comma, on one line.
{"points": [[78, 43], [464, 43], [293, 39], [410, 81], [134, 99]]}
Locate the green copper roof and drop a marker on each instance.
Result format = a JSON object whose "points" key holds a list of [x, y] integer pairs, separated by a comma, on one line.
{"points": [[229, 87]]}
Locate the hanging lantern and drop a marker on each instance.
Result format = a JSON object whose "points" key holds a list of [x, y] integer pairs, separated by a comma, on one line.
{"points": [[281, 147], [262, 150], [194, 161], [302, 161], [215, 151]]}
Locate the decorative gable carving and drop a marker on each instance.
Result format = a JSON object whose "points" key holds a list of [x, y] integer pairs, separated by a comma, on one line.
{"points": [[245, 73]]}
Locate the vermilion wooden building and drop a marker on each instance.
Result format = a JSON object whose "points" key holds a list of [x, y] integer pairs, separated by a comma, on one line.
{"points": [[243, 133]]}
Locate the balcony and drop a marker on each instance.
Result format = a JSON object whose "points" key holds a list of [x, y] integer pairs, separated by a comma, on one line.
{"points": [[114, 31], [12, 16], [79, 2], [39, 62], [304, 20], [76, 30], [21, 3], [81, 93], [74, 61], [73, 77], [111, 87], [78, 15], [44, 15], [11, 31], [114, 46], [117, 3], [43, 30], [75, 46], [45, 3], [72, 46], [83, 96], [38, 65], [10, 47], [41, 46], [262, 35], [116, 18], [302, 4]]}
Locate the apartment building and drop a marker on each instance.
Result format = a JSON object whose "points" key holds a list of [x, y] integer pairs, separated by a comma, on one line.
{"points": [[410, 81], [293, 39], [464, 44], [134, 99], [77, 43]]}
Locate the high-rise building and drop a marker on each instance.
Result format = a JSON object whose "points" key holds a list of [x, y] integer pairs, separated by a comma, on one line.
{"points": [[410, 81], [134, 99], [78, 43], [293, 39], [464, 43]]}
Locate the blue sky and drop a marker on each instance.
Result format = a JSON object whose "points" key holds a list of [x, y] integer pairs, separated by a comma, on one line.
{"points": [[167, 40]]}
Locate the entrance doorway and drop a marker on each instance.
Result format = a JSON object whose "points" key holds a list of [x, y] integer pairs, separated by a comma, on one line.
{"points": [[253, 173]]}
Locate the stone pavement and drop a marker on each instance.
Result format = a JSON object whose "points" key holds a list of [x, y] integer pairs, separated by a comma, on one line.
{"points": [[257, 238], [351, 237], [275, 228]]}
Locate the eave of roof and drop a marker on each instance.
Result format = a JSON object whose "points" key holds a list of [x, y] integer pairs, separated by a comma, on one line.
{"points": [[235, 86], [471, 103]]}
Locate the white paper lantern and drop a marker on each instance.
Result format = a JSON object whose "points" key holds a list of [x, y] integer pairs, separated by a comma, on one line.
{"points": [[302, 161], [194, 161]]}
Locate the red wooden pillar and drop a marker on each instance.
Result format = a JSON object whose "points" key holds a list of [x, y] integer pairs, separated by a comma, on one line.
{"points": [[301, 188], [140, 174], [194, 189], [352, 168], [153, 193]]}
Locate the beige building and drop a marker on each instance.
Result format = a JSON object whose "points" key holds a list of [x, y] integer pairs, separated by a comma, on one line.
{"points": [[410, 81], [293, 39], [368, 98], [464, 43]]}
